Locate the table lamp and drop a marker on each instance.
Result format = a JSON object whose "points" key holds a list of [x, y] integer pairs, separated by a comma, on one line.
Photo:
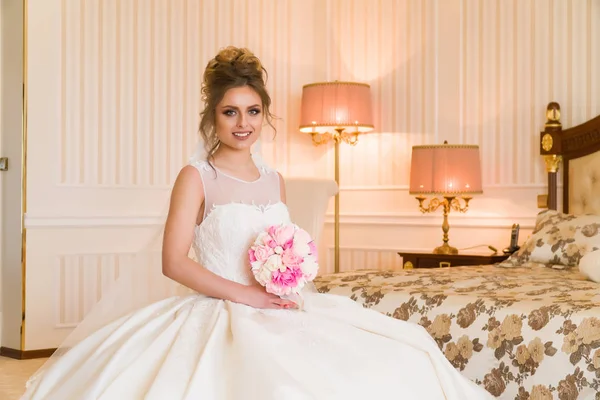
{"points": [[337, 111], [451, 171]]}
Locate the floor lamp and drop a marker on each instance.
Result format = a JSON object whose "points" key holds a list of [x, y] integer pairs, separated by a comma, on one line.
{"points": [[337, 111]]}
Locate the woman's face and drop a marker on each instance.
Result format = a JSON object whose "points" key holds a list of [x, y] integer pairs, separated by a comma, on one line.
{"points": [[239, 118]]}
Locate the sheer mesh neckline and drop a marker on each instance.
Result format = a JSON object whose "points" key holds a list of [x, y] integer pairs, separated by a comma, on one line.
{"points": [[260, 175], [260, 168], [222, 188]]}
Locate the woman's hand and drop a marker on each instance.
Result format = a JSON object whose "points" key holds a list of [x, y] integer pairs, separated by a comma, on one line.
{"points": [[256, 296]]}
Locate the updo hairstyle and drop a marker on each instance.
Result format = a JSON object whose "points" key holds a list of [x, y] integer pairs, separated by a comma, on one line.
{"points": [[232, 67]]}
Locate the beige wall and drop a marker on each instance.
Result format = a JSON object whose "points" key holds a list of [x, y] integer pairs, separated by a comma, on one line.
{"points": [[114, 100], [11, 75], [464, 71]]}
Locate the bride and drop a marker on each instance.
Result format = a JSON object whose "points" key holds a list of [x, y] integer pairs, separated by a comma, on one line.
{"points": [[210, 331]]}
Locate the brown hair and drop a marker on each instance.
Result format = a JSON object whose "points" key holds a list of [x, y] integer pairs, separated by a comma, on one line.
{"points": [[232, 67]]}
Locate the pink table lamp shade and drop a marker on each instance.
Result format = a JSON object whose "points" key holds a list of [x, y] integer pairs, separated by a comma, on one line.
{"points": [[445, 170], [336, 105]]}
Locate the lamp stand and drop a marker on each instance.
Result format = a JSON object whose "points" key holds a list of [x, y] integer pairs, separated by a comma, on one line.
{"points": [[448, 203], [337, 137], [336, 210]]}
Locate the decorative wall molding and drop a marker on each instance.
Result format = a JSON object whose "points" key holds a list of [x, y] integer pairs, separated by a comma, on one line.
{"points": [[366, 258], [83, 278], [472, 220], [405, 188], [343, 188], [353, 258], [114, 221], [468, 220]]}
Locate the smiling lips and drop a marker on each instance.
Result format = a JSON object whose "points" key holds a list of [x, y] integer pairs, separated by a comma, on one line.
{"points": [[241, 135]]}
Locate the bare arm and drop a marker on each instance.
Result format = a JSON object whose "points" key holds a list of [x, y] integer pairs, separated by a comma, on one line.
{"points": [[186, 200]]}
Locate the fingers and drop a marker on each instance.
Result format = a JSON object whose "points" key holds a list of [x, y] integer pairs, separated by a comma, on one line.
{"points": [[281, 303], [275, 302]]}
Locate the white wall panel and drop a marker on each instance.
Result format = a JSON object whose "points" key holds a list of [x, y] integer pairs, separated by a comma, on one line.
{"points": [[82, 280], [72, 263], [114, 89]]}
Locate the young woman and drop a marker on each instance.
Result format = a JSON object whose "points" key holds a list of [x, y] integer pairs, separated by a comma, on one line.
{"points": [[229, 338]]}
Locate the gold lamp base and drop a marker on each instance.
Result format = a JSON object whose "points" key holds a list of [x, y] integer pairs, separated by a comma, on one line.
{"points": [[445, 249], [447, 203]]}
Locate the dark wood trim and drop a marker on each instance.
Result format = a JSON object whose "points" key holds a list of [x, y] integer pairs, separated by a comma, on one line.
{"points": [[25, 355], [429, 260], [552, 191], [565, 193], [575, 142]]}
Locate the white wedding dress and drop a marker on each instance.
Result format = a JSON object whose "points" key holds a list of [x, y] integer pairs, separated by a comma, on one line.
{"points": [[195, 347]]}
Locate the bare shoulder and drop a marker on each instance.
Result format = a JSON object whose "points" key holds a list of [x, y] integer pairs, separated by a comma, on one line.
{"points": [[188, 183], [189, 173]]}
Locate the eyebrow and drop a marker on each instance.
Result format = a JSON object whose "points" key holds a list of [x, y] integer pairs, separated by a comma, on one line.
{"points": [[237, 108]]}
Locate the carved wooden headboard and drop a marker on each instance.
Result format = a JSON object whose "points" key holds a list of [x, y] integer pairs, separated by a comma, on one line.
{"points": [[578, 150]]}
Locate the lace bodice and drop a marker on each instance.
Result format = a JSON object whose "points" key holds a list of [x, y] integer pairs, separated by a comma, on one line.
{"points": [[235, 212]]}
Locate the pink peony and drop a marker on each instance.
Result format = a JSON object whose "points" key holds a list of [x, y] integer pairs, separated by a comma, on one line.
{"points": [[283, 259], [310, 268], [251, 255], [262, 253], [282, 234], [270, 242], [286, 280], [301, 236], [290, 258]]}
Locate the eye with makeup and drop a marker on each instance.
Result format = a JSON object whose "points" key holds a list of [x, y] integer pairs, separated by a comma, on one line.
{"points": [[231, 112]]}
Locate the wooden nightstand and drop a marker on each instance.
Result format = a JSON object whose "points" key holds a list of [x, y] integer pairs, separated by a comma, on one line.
{"points": [[430, 260]]}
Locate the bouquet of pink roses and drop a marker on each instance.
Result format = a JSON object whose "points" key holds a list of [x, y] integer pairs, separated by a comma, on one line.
{"points": [[283, 259]]}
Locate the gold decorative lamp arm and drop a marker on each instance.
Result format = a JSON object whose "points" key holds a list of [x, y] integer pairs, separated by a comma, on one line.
{"points": [[455, 203], [448, 203]]}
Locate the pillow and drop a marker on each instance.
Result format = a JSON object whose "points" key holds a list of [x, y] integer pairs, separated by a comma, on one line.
{"points": [[589, 266], [558, 240]]}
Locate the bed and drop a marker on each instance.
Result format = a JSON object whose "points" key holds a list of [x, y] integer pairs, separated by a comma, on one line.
{"points": [[529, 327]]}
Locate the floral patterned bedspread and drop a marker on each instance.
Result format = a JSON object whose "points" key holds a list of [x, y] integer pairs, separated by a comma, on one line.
{"points": [[522, 333]]}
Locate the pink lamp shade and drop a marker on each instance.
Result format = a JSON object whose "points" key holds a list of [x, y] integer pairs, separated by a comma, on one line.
{"points": [[336, 104], [445, 170]]}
